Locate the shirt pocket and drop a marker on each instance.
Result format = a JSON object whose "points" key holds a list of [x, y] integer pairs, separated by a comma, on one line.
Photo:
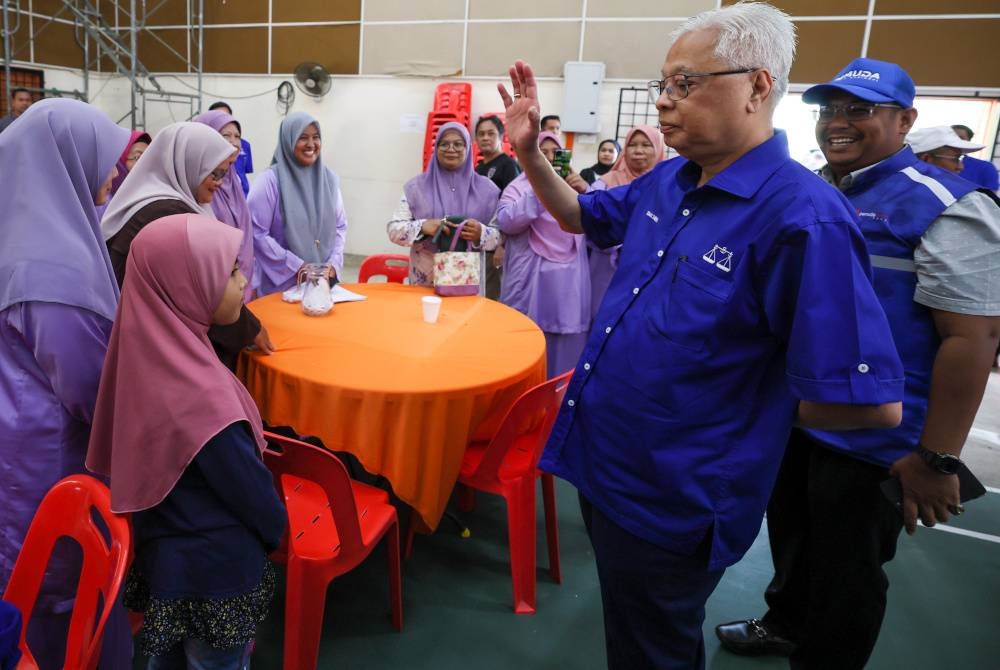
{"points": [[697, 304]]}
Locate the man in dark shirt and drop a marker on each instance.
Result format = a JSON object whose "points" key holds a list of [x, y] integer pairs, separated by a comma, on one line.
{"points": [[20, 100], [501, 169]]}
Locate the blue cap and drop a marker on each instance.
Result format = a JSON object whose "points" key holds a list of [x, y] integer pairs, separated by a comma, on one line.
{"points": [[869, 79]]}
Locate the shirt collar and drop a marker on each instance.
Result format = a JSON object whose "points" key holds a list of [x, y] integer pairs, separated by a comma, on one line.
{"points": [[851, 179], [744, 177]]}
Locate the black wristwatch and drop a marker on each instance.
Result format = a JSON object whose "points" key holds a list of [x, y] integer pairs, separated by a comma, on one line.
{"points": [[946, 464]]}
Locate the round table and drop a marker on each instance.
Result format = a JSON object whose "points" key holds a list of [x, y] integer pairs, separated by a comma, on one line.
{"points": [[404, 396]]}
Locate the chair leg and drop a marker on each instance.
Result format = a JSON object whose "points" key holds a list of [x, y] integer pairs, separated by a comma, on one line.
{"points": [[520, 497], [395, 576], [466, 498], [305, 602], [551, 526], [410, 532]]}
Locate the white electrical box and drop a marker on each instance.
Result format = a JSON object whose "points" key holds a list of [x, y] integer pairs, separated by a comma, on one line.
{"points": [[581, 97]]}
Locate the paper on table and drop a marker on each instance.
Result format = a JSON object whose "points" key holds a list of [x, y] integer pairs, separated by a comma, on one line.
{"points": [[339, 293]]}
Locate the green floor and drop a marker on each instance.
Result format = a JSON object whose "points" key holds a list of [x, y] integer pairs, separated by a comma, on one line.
{"points": [[944, 604]]}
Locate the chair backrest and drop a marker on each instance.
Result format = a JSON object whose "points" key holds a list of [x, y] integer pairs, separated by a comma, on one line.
{"points": [[298, 460], [68, 510], [526, 426], [394, 267]]}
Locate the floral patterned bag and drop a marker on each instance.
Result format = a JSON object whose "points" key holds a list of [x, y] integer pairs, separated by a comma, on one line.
{"points": [[456, 270]]}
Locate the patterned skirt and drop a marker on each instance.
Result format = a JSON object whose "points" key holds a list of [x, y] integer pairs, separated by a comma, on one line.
{"points": [[222, 622]]}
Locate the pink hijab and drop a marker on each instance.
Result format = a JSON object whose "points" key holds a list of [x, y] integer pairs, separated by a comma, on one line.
{"points": [[163, 391], [545, 237], [620, 174]]}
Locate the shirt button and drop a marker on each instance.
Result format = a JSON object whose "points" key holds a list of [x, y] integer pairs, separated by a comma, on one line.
{"points": [[660, 253], [686, 212], [571, 403], [586, 366], [607, 331], [863, 368], [635, 291]]}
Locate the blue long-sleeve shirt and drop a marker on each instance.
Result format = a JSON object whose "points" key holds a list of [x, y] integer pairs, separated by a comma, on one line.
{"points": [[210, 536]]}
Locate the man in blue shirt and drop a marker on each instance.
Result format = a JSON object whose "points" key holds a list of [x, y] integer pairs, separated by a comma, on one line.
{"points": [[979, 172], [244, 161], [742, 303], [935, 248]]}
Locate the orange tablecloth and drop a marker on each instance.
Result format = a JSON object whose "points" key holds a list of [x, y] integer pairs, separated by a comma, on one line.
{"points": [[404, 396]]}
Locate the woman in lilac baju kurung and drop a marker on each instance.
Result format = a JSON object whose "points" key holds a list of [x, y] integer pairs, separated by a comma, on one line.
{"points": [[643, 149], [57, 303], [297, 209], [449, 187], [545, 272]]}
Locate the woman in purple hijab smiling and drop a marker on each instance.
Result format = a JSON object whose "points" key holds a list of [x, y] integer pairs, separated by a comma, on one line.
{"points": [[58, 297], [545, 276], [230, 203], [449, 187]]}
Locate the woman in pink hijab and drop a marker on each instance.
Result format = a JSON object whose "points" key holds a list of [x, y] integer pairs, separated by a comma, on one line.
{"points": [[545, 274], [643, 150], [180, 439]]}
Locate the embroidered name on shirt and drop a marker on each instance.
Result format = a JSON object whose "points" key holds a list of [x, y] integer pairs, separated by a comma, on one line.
{"points": [[654, 217], [720, 257], [860, 74], [874, 216]]}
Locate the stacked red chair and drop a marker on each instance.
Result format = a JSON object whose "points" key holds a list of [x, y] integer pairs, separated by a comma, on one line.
{"points": [[452, 103]]}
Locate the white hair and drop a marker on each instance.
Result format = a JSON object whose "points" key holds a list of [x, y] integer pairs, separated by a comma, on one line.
{"points": [[751, 35]]}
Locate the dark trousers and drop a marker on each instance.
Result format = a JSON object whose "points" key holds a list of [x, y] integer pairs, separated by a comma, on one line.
{"points": [[654, 600], [831, 531]]}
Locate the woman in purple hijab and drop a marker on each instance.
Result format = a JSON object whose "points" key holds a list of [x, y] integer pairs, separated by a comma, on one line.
{"points": [[449, 187], [230, 203], [545, 272], [57, 300]]}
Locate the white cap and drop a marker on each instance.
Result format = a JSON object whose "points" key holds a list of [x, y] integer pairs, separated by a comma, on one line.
{"points": [[929, 139]]}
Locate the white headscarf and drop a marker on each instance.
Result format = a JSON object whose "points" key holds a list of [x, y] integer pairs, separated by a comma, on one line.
{"points": [[180, 157]]}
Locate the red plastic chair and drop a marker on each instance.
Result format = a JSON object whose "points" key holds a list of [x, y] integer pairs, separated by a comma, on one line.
{"points": [[394, 267], [507, 466], [333, 525], [453, 96], [67, 511]]}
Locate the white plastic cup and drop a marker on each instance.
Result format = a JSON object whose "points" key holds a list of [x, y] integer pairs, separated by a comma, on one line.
{"points": [[432, 308]]}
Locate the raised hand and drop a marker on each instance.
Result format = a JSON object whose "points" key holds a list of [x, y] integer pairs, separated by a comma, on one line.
{"points": [[522, 109]]}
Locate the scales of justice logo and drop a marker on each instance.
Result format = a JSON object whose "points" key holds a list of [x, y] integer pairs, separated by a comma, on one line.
{"points": [[720, 257]]}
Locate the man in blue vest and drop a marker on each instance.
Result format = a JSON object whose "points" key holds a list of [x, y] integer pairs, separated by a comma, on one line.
{"points": [[979, 172], [935, 249], [742, 303]]}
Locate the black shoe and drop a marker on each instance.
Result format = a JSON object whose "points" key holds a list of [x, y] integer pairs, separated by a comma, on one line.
{"points": [[752, 638]]}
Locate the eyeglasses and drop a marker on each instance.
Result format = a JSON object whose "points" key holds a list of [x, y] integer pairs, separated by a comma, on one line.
{"points": [[948, 157], [678, 86], [854, 111], [447, 146], [218, 175]]}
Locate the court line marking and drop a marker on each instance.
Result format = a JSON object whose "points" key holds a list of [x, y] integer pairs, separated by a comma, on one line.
{"points": [[967, 533], [985, 435]]}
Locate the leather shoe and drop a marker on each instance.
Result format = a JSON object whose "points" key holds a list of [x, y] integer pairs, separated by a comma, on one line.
{"points": [[752, 638]]}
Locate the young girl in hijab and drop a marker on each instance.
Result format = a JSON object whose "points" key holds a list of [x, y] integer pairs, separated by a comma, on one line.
{"points": [[449, 187], [545, 269], [229, 202], [57, 302], [643, 150], [183, 170], [180, 439], [297, 208]]}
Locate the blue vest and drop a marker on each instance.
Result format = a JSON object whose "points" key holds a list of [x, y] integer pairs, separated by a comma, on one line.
{"points": [[896, 201]]}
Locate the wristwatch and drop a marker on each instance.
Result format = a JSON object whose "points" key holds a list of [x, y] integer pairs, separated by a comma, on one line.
{"points": [[946, 464]]}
